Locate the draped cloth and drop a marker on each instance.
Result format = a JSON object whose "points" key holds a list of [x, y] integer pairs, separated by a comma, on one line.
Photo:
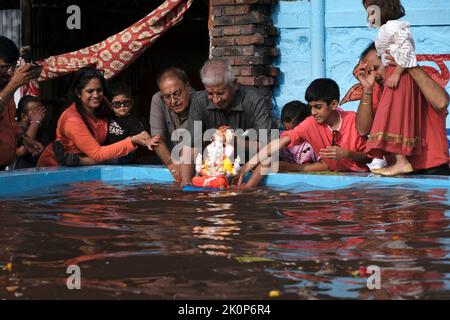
{"points": [[398, 122], [116, 53]]}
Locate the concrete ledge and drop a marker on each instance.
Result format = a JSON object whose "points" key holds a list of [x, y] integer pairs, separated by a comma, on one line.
{"points": [[344, 180], [41, 181]]}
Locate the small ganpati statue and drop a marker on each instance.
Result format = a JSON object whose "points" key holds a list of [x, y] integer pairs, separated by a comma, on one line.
{"points": [[218, 167]]}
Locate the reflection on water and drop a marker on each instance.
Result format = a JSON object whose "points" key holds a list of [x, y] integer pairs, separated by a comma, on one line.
{"points": [[155, 242]]}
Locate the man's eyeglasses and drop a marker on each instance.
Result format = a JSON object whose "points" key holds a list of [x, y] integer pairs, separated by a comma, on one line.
{"points": [[174, 95], [8, 68], [336, 137], [119, 104]]}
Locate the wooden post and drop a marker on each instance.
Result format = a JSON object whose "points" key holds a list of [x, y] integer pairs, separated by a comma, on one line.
{"points": [[26, 25]]}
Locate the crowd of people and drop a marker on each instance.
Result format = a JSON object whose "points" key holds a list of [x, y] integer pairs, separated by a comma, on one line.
{"points": [[400, 122]]}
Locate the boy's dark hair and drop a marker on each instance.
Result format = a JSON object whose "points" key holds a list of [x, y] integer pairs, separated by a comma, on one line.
{"points": [[8, 50], [390, 9], [174, 72], [295, 112], [22, 107], [366, 51], [120, 88], [325, 90]]}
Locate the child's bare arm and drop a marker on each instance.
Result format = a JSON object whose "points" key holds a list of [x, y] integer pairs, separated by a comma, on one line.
{"points": [[392, 81], [399, 70], [264, 154], [36, 122], [257, 175]]}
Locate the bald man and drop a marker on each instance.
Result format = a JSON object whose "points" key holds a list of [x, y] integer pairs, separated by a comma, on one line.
{"points": [[169, 112]]}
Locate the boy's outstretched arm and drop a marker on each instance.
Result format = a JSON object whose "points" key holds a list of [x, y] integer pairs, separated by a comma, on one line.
{"points": [[262, 155]]}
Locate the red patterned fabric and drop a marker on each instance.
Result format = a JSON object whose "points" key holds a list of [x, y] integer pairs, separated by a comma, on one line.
{"points": [[31, 89], [441, 77], [116, 53]]}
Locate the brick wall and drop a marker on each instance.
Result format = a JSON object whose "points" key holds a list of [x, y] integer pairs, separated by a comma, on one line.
{"points": [[243, 32]]}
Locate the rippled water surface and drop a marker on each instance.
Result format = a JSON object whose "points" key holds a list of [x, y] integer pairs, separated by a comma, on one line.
{"points": [[156, 242]]}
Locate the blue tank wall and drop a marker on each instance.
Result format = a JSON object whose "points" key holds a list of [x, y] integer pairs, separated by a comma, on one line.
{"points": [[346, 37]]}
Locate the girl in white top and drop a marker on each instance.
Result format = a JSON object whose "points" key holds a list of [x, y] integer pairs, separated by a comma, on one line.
{"points": [[394, 35], [397, 123]]}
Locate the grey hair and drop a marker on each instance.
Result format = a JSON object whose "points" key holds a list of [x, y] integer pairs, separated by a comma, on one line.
{"points": [[216, 72]]}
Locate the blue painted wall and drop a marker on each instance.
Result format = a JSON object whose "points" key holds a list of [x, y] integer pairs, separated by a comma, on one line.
{"points": [[346, 37]]}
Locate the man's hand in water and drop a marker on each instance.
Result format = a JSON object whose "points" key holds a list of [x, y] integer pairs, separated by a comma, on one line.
{"points": [[175, 171], [239, 179]]}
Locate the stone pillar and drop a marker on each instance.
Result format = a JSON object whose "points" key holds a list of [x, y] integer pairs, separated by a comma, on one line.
{"points": [[243, 33]]}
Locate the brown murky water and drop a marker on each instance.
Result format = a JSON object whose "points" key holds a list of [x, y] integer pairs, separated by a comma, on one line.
{"points": [[155, 242]]}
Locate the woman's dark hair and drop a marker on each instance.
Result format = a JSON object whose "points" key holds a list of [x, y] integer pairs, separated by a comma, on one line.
{"points": [[80, 80], [325, 90], [8, 50], [295, 112], [390, 9], [120, 88], [22, 106]]}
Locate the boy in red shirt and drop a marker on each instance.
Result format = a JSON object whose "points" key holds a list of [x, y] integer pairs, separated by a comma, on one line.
{"points": [[329, 130]]}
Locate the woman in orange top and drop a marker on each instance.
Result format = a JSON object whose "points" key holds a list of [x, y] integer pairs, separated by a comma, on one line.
{"points": [[83, 127]]}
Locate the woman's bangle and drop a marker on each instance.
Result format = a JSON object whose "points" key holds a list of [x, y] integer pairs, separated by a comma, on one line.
{"points": [[368, 93]]}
